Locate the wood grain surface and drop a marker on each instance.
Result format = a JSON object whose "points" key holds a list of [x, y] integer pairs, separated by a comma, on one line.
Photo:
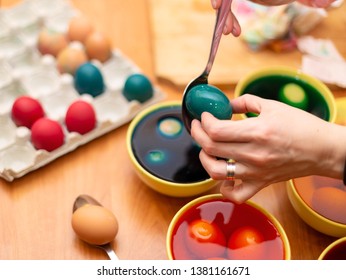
{"points": [[36, 210], [182, 32]]}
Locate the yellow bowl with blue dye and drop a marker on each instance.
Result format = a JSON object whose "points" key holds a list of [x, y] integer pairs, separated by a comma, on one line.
{"points": [[164, 155]]}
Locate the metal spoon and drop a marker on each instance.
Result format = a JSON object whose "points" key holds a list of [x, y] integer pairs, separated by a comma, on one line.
{"points": [[86, 199], [203, 78]]}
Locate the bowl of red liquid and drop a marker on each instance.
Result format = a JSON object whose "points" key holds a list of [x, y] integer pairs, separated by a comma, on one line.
{"points": [[335, 251], [320, 202], [213, 228]]}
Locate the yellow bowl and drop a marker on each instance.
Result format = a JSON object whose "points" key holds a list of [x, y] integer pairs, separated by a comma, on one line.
{"points": [[229, 218], [335, 250], [157, 183], [310, 216], [326, 111], [300, 203]]}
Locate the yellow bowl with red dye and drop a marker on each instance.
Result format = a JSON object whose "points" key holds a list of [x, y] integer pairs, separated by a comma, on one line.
{"points": [[212, 227], [320, 202], [335, 251]]}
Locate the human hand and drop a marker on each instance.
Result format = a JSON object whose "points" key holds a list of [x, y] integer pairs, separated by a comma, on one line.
{"points": [[311, 3], [317, 3], [280, 144], [232, 25]]}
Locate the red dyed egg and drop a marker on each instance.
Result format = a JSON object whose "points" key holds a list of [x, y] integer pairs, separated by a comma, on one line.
{"points": [[245, 244], [205, 240], [80, 117], [26, 110], [47, 134]]}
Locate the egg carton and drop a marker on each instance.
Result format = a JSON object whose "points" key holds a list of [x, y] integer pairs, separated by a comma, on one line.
{"points": [[24, 71], [17, 154]]}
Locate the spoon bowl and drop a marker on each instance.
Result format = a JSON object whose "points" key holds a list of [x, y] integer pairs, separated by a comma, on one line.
{"points": [[203, 78], [82, 200]]}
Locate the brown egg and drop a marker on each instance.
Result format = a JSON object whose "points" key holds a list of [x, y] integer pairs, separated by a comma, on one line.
{"points": [[94, 224], [98, 46], [51, 42], [70, 58], [330, 202], [79, 28]]}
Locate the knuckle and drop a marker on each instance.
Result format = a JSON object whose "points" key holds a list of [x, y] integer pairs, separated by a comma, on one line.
{"points": [[208, 147], [214, 172], [214, 131]]}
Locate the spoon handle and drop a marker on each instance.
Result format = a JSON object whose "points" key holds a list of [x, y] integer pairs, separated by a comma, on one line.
{"points": [[110, 252], [221, 17]]}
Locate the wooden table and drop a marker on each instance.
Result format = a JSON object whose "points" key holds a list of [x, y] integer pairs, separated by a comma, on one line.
{"points": [[35, 210]]}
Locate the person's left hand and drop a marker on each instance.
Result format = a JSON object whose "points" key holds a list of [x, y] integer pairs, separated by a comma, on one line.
{"points": [[273, 147]]}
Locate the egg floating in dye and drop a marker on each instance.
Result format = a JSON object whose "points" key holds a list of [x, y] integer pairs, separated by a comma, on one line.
{"points": [[330, 202], [294, 95], [138, 87], [26, 110], [244, 244], [208, 98], [205, 239], [217, 228], [94, 224], [89, 79], [47, 134], [80, 117], [170, 127]]}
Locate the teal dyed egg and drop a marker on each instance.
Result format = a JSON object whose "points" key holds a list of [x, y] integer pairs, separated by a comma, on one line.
{"points": [[208, 98], [138, 87], [88, 79]]}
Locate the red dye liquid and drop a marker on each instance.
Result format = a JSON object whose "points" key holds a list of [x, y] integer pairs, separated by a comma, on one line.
{"points": [[229, 218], [337, 253], [324, 195]]}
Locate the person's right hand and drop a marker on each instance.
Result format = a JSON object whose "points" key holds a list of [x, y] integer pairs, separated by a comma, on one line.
{"points": [[232, 25]]}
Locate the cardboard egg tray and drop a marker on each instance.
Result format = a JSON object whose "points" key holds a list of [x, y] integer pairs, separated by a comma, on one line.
{"points": [[24, 71]]}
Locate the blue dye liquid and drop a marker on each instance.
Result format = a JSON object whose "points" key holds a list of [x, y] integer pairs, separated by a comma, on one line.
{"points": [[167, 152], [269, 87]]}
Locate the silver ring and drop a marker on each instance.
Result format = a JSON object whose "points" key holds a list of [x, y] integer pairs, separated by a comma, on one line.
{"points": [[230, 168]]}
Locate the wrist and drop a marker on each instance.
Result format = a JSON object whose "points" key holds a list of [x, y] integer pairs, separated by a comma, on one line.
{"points": [[334, 164]]}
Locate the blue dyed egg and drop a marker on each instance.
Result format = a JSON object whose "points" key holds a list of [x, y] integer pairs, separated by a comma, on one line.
{"points": [[88, 79], [208, 98], [170, 127], [138, 87]]}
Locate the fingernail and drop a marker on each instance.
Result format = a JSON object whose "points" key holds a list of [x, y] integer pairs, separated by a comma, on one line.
{"points": [[213, 3], [225, 31], [235, 32]]}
